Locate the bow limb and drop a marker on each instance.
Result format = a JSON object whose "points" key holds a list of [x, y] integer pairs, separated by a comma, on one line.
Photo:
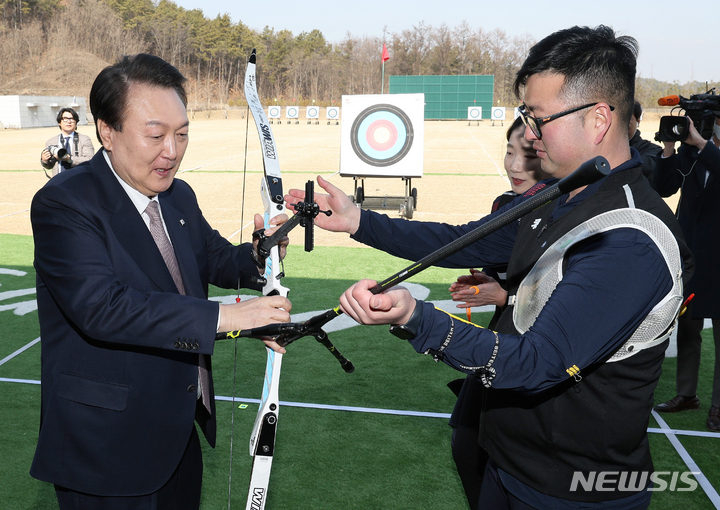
{"points": [[271, 187]]}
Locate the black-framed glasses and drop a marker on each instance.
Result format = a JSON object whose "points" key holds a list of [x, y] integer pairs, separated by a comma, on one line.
{"points": [[534, 123]]}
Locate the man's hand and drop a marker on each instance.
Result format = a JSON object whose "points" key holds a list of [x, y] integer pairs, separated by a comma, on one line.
{"points": [[695, 138], [394, 306], [46, 155], [254, 313], [477, 289], [345, 214]]}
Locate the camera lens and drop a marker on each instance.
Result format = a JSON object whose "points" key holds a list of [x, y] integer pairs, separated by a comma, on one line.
{"points": [[673, 129]]}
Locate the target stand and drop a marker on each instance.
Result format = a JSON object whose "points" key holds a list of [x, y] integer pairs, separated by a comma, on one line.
{"points": [[332, 114], [405, 205], [382, 137], [474, 115]]}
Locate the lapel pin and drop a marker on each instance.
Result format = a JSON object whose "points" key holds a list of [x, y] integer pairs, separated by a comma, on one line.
{"points": [[182, 222]]}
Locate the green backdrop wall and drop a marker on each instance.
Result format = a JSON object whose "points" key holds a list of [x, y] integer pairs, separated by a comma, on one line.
{"points": [[448, 97]]}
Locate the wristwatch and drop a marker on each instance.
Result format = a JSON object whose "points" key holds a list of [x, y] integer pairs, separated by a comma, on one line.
{"points": [[408, 330]]}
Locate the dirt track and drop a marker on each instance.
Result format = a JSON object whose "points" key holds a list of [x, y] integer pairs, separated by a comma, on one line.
{"points": [[461, 177]]}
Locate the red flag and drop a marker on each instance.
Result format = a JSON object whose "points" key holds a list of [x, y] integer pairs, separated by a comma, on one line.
{"points": [[385, 54]]}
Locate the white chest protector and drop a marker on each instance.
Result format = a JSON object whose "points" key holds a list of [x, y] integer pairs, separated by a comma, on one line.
{"points": [[541, 281]]}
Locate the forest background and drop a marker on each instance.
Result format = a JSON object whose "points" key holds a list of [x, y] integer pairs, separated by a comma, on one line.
{"points": [[57, 47]]}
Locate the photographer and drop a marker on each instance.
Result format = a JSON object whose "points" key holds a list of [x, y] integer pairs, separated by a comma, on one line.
{"points": [[70, 148], [695, 171]]}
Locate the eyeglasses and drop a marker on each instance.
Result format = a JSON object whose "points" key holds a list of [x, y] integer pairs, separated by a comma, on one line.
{"points": [[68, 119], [534, 123]]}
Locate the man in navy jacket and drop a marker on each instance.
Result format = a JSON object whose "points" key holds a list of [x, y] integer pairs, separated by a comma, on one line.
{"points": [[559, 407], [126, 340]]}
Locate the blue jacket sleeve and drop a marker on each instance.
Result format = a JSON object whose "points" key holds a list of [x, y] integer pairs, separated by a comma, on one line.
{"points": [[611, 283], [414, 240]]}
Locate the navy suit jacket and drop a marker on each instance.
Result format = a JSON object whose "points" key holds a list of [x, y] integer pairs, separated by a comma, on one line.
{"points": [[120, 345]]}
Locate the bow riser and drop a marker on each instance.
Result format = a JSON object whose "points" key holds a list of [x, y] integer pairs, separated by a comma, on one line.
{"points": [[273, 269]]}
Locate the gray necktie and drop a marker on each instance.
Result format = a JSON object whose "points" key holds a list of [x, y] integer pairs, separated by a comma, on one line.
{"points": [[65, 164], [157, 230], [163, 243]]}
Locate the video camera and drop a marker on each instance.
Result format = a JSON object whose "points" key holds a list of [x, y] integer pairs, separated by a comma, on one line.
{"points": [[58, 152], [702, 110]]}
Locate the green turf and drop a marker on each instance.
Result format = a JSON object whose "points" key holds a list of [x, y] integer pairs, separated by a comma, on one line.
{"points": [[324, 459]]}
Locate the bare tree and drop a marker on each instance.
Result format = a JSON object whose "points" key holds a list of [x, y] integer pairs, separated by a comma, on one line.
{"points": [[20, 52], [443, 55], [87, 34]]}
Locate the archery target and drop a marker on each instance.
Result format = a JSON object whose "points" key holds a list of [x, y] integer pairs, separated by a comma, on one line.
{"points": [[382, 135], [332, 113], [474, 112], [292, 112], [273, 112], [498, 113], [312, 112], [516, 112]]}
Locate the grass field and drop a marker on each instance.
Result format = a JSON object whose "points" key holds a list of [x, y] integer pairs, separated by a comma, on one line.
{"points": [[372, 454]]}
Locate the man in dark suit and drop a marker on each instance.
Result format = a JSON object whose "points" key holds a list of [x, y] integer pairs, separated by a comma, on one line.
{"points": [[123, 258]]}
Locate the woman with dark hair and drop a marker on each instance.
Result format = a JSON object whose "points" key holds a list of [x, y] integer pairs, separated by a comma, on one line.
{"points": [[481, 288]]}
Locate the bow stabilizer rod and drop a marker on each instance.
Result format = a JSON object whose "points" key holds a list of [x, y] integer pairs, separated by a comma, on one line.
{"points": [[589, 172]]}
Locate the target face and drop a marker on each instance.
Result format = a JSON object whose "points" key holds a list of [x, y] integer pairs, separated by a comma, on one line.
{"points": [[312, 112], [274, 112], [498, 113], [291, 112], [474, 112], [333, 112], [381, 135]]}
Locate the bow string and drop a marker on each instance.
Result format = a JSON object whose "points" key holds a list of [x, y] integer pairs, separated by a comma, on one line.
{"points": [[262, 438]]}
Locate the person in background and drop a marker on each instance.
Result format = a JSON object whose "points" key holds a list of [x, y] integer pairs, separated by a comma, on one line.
{"points": [[524, 171], [649, 151], [79, 147], [695, 170], [480, 288]]}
